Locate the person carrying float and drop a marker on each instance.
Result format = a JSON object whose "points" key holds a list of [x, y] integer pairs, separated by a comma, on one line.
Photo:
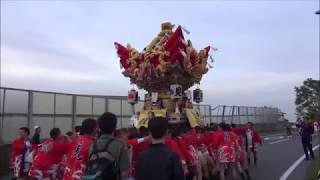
{"points": [[242, 164], [78, 151], [226, 144], [22, 155], [252, 139], [47, 161]]}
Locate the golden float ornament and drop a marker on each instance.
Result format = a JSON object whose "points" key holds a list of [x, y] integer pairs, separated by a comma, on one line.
{"points": [[168, 59]]}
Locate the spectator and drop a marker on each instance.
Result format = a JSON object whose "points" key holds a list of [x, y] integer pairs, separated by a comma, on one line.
{"points": [[108, 143], [78, 152], [21, 151], [306, 131], [36, 135], [47, 162], [158, 162], [288, 128]]}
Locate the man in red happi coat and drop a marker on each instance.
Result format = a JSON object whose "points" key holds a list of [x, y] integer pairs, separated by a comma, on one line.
{"points": [[251, 140], [47, 161], [21, 157], [78, 152], [138, 146], [226, 143]]}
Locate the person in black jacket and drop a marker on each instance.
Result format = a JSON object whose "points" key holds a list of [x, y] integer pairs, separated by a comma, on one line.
{"points": [[36, 136], [306, 131], [158, 162]]}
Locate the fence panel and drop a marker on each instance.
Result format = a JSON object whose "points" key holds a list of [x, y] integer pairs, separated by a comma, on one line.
{"points": [[64, 123], [63, 104], [16, 101], [99, 106], [114, 106], [58, 110], [83, 105], [1, 100], [43, 103], [11, 125], [126, 108]]}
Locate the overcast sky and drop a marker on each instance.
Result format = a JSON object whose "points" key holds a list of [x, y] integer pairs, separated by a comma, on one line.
{"points": [[265, 48]]}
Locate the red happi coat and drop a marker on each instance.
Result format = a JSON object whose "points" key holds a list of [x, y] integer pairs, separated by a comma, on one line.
{"points": [[171, 144], [191, 138], [212, 138], [19, 149], [192, 143], [207, 141], [137, 148], [197, 140], [256, 138], [226, 143], [184, 149], [241, 138], [77, 157], [47, 161]]}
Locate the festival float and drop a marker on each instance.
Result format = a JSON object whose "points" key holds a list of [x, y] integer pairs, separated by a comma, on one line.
{"points": [[166, 69]]}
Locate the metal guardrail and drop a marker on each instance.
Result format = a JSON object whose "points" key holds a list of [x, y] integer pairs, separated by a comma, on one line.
{"points": [[21, 107]]}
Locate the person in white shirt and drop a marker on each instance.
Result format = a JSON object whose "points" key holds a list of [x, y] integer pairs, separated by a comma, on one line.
{"points": [[252, 138]]}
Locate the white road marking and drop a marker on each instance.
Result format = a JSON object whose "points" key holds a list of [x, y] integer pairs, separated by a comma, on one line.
{"points": [[270, 135], [274, 138], [282, 140], [295, 165]]}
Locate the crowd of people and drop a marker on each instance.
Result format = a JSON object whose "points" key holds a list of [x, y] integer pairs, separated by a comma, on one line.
{"points": [[163, 151]]}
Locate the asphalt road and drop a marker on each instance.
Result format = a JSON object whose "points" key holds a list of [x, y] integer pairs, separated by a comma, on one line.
{"points": [[277, 154]]}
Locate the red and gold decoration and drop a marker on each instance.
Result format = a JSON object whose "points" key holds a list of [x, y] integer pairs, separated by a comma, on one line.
{"points": [[168, 66]]}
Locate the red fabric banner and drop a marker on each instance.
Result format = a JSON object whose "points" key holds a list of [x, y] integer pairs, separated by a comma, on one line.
{"points": [[123, 54]]}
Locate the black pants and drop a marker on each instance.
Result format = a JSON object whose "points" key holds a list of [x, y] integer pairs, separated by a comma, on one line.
{"points": [[306, 143]]}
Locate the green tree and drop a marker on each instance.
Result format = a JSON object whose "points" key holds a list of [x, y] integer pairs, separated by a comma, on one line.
{"points": [[308, 99]]}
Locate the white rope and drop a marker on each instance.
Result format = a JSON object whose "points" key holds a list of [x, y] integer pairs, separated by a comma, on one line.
{"points": [[185, 30], [183, 53]]}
